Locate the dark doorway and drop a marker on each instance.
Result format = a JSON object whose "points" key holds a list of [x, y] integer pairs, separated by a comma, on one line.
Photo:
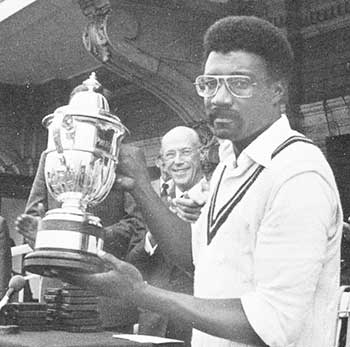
{"points": [[338, 155]]}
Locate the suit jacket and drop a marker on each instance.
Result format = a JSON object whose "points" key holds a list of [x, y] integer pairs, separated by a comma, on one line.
{"points": [[124, 230], [158, 271], [156, 185], [5, 257]]}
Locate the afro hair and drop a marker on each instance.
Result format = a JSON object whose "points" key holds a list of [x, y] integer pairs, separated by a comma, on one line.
{"points": [[252, 35]]}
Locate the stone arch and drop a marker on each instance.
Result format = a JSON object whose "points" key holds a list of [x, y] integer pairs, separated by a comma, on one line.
{"points": [[150, 47]]}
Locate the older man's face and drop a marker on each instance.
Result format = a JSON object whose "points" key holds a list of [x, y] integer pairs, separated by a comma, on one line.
{"points": [[182, 160]]}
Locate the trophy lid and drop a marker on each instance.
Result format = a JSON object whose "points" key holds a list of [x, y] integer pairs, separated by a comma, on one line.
{"points": [[87, 97], [87, 100]]}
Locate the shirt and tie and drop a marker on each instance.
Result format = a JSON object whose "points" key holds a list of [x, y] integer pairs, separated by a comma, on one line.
{"points": [[164, 191]]}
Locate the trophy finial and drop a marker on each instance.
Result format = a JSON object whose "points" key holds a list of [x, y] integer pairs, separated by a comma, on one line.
{"points": [[91, 83], [88, 96]]}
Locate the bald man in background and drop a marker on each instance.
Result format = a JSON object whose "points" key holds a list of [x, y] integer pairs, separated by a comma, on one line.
{"points": [[180, 156]]}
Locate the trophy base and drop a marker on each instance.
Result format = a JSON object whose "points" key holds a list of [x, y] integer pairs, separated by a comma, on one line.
{"points": [[66, 241], [50, 263]]}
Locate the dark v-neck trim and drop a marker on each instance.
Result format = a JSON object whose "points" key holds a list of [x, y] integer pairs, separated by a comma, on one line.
{"points": [[215, 222]]}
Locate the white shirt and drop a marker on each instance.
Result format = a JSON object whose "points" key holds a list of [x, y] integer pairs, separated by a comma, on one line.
{"points": [[225, 149], [279, 248]]}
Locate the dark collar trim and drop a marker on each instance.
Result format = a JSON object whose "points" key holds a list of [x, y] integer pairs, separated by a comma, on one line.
{"points": [[214, 223]]}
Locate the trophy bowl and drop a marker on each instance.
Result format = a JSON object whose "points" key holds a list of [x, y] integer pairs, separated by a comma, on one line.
{"points": [[81, 158]]}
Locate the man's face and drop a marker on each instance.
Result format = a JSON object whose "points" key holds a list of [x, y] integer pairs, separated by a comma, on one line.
{"points": [[182, 160], [234, 118]]}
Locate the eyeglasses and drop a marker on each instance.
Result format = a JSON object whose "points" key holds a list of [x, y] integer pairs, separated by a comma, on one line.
{"points": [[238, 85], [184, 153]]}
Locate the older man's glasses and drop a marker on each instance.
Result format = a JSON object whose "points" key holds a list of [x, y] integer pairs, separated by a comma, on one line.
{"points": [[238, 85], [184, 153]]}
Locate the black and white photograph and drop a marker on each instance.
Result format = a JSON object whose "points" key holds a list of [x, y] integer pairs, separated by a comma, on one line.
{"points": [[174, 173]]}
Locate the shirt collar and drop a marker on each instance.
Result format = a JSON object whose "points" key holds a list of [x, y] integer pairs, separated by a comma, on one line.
{"points": [[261, 149], [178, 192], [227, 154]]}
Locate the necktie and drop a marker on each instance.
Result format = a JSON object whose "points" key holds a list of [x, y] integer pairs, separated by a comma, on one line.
{"points": [[164, 191]]}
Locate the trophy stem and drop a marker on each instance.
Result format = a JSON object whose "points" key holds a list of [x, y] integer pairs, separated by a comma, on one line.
{"points": [[72, 201]]}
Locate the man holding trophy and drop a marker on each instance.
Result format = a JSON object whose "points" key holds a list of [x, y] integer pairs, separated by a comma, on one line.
{"points": [[265, 250]]}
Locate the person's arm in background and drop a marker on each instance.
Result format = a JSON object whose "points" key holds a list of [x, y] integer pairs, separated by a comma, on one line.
{"points": [[140, 257], [128, 232], [38, 192], [126, 238], [143, 256], [39, 198], [5, 257], [37, 204]]}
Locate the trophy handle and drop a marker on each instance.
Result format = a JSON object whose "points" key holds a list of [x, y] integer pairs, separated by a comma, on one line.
{"points": [[62, 121]]}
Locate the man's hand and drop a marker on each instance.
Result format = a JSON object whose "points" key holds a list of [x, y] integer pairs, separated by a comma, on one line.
{"points": [[27, 225], [120, 280], [186, 208], [132, 168]]}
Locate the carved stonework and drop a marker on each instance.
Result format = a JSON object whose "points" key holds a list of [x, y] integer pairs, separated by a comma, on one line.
{"points": [[95, 36], [93, 8], [127, 26], [328, 12], [95, 40], [329, 16], [123, 53]]}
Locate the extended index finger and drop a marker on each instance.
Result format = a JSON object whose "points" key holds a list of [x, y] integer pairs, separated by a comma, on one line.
{"points": [[187, 202]]}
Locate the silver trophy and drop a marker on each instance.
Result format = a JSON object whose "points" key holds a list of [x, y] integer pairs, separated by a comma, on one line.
{"points": [[81, 158]]}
